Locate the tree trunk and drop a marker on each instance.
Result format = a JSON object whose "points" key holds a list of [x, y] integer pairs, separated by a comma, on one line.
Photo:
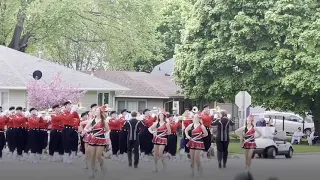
{"points": [[316, 119]]}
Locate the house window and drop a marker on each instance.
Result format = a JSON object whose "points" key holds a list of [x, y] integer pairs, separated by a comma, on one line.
{"points": [[121, 105], [142, 105], [132, 105], [4, 100], [103, 98]]}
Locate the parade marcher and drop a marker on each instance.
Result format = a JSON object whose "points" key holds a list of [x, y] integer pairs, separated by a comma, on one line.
{"points": [[11, 133], [97, 127], [195, 143], [160, 130], [133, 126], [21, 133], [123, 135], [56, 150], [248, 133], [206, 120], [43, 127], [222, 137], [35, 135], [3, 123], [173, 138], [145, 137], [115, 128], [186, 121], [75, 133], [83, 122]]}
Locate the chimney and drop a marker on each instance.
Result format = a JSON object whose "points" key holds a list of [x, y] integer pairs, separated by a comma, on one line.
{"points": [[92, 71]]}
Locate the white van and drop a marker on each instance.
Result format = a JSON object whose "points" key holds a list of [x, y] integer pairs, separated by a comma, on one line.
{"points": [[291, 121]]}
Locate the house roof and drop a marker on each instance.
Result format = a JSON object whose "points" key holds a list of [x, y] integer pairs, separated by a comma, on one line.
{"points": [[17, 68], [166, 67], [142, 84]]}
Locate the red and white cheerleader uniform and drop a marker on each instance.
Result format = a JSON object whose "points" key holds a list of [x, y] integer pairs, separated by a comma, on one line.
{"points": [[98, 135], [162, 133], [196, 141], [249, 139]]}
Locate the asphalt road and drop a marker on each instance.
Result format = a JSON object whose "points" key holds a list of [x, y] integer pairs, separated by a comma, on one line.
{"points": [[299, 167]]}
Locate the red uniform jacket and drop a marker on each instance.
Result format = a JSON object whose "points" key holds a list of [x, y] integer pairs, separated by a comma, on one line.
{"points": [[76, 123], [148, 121], [3, 122], [174, 126], [122, 121], [69, 118], [34, 122], [114, 124], [56, 122], [206, 119], [44, 124], [20, 121]]}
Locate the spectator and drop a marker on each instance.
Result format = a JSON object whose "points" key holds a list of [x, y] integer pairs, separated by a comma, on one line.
{"points": [[261, 122], [297, 136]]}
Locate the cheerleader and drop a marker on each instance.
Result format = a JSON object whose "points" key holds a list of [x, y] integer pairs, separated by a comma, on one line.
{"points": [[35, 135], [115, 127], [206, 120], [10, 133], [160, 129], [145, 137], [123, 135], [3, 123], [248, 133], [21, 133], [56, 150], [97, 127], [195, 143]]}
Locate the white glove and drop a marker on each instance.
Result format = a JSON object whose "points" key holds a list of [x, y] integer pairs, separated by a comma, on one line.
{"points": [[39, 115], [48, 118], [73, 109]]}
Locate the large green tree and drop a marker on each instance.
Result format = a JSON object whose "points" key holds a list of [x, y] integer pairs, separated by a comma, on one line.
{"points": [[84, 33], [268, 47]]}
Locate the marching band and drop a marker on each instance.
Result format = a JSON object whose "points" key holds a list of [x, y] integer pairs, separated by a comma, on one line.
{"points": [[66, 134]]}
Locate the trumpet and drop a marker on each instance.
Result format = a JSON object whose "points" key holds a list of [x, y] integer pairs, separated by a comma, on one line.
{"points": [[195, 109]]}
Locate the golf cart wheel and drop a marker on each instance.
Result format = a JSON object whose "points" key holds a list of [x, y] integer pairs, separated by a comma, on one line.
{"points": [[271, 152], [290, 153]]}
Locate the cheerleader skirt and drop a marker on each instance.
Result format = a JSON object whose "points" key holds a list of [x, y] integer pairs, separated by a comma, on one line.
{"points": [[197, 145], [86, 138], [249, 145], [160, 140], [97, 141]]}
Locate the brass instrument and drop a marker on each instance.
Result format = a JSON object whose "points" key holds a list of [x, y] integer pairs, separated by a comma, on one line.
{"points": [[195, 109]]}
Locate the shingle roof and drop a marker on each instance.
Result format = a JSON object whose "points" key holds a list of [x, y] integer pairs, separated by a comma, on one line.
{"points": [[16, 70], [166, 67], [141, 84]]}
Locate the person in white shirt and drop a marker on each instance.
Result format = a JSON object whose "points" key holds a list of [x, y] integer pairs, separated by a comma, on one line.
{"points": [[297, 136]]}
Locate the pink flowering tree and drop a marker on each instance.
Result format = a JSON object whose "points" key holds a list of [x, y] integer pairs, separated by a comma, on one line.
{"points": [[43, 95]]}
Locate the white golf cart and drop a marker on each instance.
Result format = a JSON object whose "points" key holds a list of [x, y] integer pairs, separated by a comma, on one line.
{"points": [[272, 143]]}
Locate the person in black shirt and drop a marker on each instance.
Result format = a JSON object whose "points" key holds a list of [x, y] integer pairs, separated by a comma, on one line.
{"points": [[133, 127], [222, 138]]}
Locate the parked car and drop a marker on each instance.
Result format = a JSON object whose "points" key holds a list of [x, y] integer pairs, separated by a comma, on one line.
{"points": [[291, 121]]}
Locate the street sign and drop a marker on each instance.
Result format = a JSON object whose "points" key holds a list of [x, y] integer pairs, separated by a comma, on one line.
{"points": [[243, 99]]}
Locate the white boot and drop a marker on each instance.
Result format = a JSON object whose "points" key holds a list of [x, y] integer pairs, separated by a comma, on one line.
{"points": [[85, 164], [31, 157], [91, 173], [36, 158], [142, 155], [69, 160], [25, 157], [65, 158], [164, 164], [73, 155]]}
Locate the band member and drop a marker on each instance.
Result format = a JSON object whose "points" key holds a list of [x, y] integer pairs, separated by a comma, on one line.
{"points": [[114, 125], [20, 124], [68, 130], [83, 123], [123, 135], [172, 138], [133, 126], [75, 134], [3, 123], [44, 133], [196, 144], [56, 144], [97, 127], [186, 121], [206, 120], [248, 133], [160, 130], [222, 137], [145, 137], [10, 133], [35, 135]]}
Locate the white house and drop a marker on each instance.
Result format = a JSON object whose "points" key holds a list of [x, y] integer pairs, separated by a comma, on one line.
{"points": [[16, 70]]}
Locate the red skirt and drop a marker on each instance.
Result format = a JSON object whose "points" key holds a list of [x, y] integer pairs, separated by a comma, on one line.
{"points": [[160, 140], [198, 145], [86, 138], [94, 141], [249, 145]]}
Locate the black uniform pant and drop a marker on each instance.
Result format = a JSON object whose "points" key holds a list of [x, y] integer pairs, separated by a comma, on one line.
{"points": [[133, 145], [11, 139], [35, 139], [67, 139], [21, 138], [45, 137], [145, 139], [114, 137], [82, 145], [27, 148], [172, 144], [75, 140], [222, 151], [186, 148], [123, 141], [56, 143], [207, 140], [2, 142]]}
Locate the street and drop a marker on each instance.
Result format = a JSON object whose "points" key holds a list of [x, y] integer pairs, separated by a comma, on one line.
{"points": [[299, 167]]}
